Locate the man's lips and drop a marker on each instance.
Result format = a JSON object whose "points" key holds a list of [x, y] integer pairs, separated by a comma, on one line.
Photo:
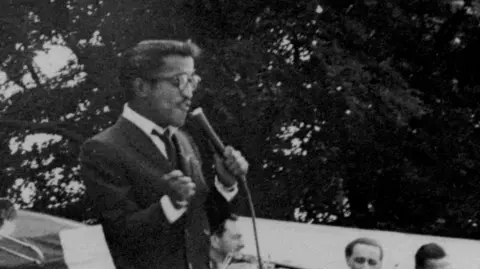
{"points": [[185, 107]]}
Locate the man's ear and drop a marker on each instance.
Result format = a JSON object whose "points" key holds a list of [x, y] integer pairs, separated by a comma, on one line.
{"points": [[140, 87], [214, 241], [349, 262]]}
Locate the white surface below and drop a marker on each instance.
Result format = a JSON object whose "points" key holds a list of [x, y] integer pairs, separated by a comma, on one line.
{"points": [[317, 246]]}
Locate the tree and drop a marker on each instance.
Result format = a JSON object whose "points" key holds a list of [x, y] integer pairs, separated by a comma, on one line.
{"points": [[334, 110]]}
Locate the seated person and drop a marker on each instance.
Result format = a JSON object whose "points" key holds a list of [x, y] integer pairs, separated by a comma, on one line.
{"points": [[431, 256], [8, 215], [364, 253], [226, 243]]}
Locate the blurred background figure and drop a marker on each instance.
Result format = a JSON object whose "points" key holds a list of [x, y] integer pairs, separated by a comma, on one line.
{"points": [[225, 239], [432, 256], [364, 253], [226, 243], [8, 215]]}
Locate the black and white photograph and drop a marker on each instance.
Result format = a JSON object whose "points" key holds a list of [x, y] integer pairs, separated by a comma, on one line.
{"points": [[255, 134]]}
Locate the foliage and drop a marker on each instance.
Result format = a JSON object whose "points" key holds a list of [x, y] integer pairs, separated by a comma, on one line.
{"points": [[357, 113]]}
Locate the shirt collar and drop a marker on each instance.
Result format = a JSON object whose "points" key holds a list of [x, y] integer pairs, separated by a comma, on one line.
{"points": [[146, 125]]}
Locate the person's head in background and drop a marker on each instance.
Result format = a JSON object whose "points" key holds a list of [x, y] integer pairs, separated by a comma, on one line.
{"points": [[431, 256], [8, 215], [225, 237], [158, 77], [364, 253]]}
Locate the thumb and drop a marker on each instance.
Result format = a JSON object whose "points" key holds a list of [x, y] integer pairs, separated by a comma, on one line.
{"points": [[173, 174]]}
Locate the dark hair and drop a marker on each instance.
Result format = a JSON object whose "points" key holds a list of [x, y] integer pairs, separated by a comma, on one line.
{"points": [[147, 57], [364, 241], [7, 211], [428, 252], [218, 226]]}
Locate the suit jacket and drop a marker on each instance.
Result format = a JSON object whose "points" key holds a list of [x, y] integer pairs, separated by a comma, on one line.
{"points": [[122, 170]]}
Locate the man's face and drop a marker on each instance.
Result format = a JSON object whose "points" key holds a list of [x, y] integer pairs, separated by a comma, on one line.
{"points": [[438, 264], [167, 104], [231, 241], [365, 257]]}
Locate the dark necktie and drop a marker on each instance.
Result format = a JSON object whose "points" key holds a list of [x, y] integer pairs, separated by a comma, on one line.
{"points": [[170, 148]]}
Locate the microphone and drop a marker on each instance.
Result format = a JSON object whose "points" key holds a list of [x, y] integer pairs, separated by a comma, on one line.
{"points": [[199, 118]]}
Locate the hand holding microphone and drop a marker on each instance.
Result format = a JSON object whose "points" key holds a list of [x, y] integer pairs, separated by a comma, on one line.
{"points": [[232, 166], [229, 163]]}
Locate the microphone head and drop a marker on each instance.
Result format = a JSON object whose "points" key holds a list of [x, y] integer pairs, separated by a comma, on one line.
{"points": [[201, 120], [196, 112]]}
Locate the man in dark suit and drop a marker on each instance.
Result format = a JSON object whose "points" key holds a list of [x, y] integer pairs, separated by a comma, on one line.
{"points": [[144, 174]]}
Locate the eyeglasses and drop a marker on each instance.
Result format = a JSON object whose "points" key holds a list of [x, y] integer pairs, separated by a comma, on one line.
{"points": [[181, 81]]}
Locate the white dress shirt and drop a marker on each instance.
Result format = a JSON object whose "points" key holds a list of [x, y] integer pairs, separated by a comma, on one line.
{"points": [[147, 126]]}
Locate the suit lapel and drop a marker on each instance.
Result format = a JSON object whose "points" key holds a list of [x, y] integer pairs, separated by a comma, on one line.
{"points": [[143, 144], [189, 163]]}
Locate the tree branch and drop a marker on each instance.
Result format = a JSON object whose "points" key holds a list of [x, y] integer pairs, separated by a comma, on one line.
{"points": [[35, 76], [58, 128]]}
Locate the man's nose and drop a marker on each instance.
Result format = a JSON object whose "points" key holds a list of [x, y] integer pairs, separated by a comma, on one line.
{"points": [[241, 245], [188, 92], [363, 266]]}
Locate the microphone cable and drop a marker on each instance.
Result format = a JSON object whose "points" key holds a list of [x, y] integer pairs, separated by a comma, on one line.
{"points": [[254, 223]]}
